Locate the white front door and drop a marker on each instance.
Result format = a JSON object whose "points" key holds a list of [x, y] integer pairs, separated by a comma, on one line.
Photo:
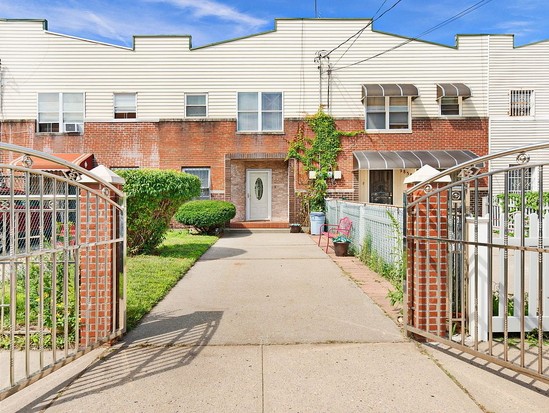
{"points": [[258, 194]]}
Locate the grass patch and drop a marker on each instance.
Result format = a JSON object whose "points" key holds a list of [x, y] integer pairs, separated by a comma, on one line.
{"points": [[151, 277]]}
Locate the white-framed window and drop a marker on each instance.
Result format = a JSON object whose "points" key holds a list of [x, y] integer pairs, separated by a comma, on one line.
{"points": [[205, 183], [259, 112], [450, 105], [125, 105], [384, 113], [521, 102], [518, 177], [196, 105], [61, 112]]}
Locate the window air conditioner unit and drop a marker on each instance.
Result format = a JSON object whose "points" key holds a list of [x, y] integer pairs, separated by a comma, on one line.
{"points": [[73, 127]]}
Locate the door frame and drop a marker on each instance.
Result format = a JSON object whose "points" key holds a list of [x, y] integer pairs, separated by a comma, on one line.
{"points": [[269, 192]]}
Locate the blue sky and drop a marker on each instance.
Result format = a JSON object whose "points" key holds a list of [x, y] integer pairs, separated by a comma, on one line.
{"points": [[211, 21]]}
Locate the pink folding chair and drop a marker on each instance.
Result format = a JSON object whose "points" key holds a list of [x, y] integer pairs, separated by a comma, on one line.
{"points": [[330, 231]]}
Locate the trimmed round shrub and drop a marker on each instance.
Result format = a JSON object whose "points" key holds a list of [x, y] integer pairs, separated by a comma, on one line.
{"points": [[205, 216], [153, 197]]}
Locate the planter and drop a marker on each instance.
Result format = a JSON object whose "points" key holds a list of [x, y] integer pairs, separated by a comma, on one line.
{"points": [[294, 229], [341, 248]]}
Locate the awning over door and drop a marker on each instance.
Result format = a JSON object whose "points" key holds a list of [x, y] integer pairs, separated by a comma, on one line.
{"points": [[409, 159], [389, 89], [453, 90], [84, 160]]}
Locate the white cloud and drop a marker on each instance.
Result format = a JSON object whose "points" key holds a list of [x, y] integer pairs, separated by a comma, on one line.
{"points": [[90, 22], [209, 8], [518, 27]]}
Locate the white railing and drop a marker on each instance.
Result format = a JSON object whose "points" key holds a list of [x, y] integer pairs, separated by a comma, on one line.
{"points": [[512, 256], [372, 223]]}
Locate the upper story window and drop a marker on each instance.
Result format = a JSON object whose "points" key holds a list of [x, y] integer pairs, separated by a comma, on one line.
{"points": [[259, 111], [196, 105], [125, 105], [451, 97], [521, 103], [204, 175], [383, 113], [60, 112], [450, 106]]}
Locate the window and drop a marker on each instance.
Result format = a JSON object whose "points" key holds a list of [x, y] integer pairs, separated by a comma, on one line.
{"points": [[516, 181], [521, 103], [125, 106], [196, 105], [450, 106], [259, 111], [204, 176], [56, 109], [388, 112]]}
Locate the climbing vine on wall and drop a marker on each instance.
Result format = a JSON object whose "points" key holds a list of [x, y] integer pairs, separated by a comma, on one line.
{"points": [[318, 154]]}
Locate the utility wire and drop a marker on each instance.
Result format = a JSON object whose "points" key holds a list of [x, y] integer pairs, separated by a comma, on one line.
{"points": [[362, 31], [459, 15], [358, 33]]}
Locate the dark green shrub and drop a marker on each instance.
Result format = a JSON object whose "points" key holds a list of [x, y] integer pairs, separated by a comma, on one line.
{"points": [[153, 197], [205, 216]]}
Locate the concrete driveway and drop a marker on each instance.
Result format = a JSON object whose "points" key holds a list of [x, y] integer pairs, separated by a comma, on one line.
{"points": [[264, 322]]}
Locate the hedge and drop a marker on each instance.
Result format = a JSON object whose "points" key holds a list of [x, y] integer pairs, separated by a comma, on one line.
{"points": [[205, 216], [153, 197]]}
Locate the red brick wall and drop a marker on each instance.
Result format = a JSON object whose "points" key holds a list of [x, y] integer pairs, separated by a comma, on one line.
{"points": [[427, 267], [173, 144]]}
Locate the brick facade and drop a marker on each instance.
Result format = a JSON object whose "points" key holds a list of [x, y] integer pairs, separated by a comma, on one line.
{"points": [[100, 267], [173, 144], [427, 269]]}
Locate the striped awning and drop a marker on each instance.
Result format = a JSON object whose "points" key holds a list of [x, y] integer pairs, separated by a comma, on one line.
{"points": [[389, 89], [453, 90], [410, 159]]}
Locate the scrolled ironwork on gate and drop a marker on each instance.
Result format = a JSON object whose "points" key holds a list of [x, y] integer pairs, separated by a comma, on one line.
{"points": [[62, 264], [477, 239]]}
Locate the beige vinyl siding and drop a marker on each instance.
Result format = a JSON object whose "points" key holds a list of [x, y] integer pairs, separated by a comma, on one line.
{"points": [[511, 68], [162, 69], [525, 68]]}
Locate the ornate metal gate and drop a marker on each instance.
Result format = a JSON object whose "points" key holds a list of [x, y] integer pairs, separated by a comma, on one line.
{"points": [[62, 264], [478, 259]]}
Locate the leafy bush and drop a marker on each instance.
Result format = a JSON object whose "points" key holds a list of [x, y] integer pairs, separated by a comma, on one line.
{"points": [[205, 216], [153, 197], [531, 200]]}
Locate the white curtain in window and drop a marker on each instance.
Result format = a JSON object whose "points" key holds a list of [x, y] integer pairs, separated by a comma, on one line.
{"points": [[73, 108], [248, 111], [48, 107], [124, 102]]}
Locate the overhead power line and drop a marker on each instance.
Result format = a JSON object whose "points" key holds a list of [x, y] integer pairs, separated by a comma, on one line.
{"points": [[457, 16], [358, 33]]}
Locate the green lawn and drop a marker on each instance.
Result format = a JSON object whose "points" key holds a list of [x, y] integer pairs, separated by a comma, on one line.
{"points": [[151, 277]]}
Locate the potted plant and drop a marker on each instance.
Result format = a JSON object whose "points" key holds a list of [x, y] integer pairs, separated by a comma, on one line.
{"points": [[341, 245], [295, 228]]}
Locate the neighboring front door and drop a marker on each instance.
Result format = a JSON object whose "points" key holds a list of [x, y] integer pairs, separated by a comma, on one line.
{"points": [[381, 186], [258, 194]]}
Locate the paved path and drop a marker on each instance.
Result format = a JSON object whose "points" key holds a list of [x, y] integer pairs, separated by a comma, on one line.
{"points": [[267, 322]]}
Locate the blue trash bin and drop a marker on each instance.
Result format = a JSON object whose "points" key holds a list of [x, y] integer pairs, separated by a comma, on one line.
{"points": [[317, 221]]}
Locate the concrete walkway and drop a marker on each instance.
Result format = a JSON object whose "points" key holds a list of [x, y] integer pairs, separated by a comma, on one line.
{"points": [[267, 322]]}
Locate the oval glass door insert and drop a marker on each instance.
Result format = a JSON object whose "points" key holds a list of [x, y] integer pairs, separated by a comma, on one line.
{"points": [[259, 188]]}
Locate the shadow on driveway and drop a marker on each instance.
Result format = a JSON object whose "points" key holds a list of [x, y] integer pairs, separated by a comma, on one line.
{"points": [[164, 343]]}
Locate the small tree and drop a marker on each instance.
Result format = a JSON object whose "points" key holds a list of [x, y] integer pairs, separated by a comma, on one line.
{"points": [[205, 216], [153, 197]]}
